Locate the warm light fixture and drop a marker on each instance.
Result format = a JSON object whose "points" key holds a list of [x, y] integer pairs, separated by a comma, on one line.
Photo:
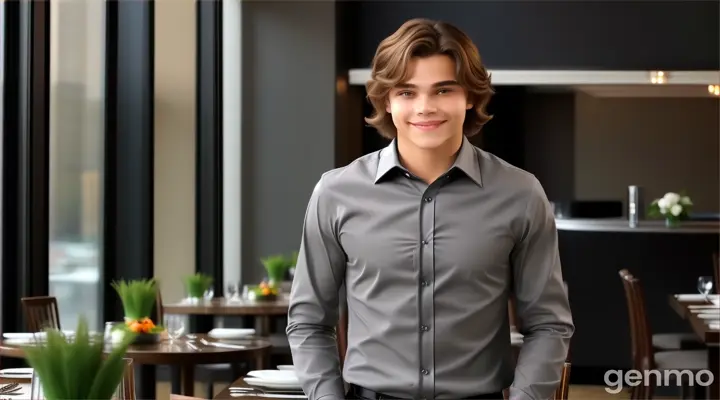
{"points": [[714, 89], [658, 77]]}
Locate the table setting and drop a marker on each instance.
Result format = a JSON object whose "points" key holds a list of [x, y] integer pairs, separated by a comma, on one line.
{"points": [[281, 383]]}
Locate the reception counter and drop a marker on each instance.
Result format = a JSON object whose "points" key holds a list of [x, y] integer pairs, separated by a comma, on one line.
{"points": [[646, 226], [666, 260]]}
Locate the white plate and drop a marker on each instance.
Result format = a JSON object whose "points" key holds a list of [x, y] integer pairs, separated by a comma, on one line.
{"points": [[274, 375], [709, 316], [697, 297], [230, 333], [286, 367], [271, 385], [16, 373]]}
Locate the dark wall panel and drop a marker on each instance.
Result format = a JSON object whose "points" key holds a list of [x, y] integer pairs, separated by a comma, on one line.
{"points": [[640, 35]]}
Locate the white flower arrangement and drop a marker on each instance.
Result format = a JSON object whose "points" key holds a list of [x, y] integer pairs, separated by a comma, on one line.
{"points": [[673, 207]]}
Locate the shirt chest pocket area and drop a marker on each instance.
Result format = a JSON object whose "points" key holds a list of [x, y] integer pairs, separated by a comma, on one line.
{"points": [[476, 256], [372, 256]]}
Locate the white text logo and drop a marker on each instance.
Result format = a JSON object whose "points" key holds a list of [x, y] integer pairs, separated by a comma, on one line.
{"points": [[616, 379]]}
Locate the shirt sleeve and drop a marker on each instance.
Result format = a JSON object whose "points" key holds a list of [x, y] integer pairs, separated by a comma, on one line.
{"points": [[541, 303], [314, 301]]}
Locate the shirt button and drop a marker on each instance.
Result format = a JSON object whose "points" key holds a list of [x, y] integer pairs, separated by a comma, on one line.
{"points": [[424, 242], [407, 175], [425, 283], [424, 371], [428, 199], [424, 328]]}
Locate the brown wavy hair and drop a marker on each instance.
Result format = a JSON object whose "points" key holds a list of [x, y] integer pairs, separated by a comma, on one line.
{"points": [[423, 38]]}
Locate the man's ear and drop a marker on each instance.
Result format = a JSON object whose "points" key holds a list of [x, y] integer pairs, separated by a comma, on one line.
{"points": [[469, 106]]}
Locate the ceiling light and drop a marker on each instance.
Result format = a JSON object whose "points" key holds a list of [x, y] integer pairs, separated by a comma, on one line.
{"points": [[714, 89]]}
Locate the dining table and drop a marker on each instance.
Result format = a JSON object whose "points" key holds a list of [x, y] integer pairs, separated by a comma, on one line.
{"points": [[202, 313], [703, 316], [184, 353]]}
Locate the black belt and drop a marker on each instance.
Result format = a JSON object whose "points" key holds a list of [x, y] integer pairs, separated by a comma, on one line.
{"points": [[362, 393]]}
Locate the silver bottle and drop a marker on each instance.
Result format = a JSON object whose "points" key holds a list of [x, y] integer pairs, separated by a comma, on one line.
{"points": [[634, 205]]}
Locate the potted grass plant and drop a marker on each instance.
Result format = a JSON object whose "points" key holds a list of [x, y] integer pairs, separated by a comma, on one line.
{"points": [[77, 368], [138, 299], [276, 266], [197, 285]]}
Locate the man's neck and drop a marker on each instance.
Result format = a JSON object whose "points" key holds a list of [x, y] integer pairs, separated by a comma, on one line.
{"points": [[428, 164]]}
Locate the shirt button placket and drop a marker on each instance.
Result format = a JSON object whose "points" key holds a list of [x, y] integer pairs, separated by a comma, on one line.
{"points": [[427, 272]]}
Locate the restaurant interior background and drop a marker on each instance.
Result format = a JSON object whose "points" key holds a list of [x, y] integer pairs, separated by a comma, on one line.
{"points": [[157, 139]]}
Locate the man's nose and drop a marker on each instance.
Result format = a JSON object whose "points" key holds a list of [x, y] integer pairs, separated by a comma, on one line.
{"points": [[425, 105]]}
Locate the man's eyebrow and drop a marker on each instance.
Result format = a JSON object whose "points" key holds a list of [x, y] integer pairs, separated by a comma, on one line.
{"points": [[436, 84]]}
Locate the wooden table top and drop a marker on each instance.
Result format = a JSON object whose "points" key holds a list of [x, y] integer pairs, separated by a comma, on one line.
{"points": [[176, 353], [221, 306], [700, 326]]}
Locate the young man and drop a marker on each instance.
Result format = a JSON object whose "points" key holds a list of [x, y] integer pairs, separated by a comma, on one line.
{"points": [[429, 237]]}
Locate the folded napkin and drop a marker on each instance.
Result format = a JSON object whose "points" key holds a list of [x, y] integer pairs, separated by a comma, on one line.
{"points": [[694, 297], [39, 335]]}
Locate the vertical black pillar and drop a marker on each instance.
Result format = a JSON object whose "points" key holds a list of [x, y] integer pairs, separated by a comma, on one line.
{"points": [[25, 147], [209, 131], [129, 148]]}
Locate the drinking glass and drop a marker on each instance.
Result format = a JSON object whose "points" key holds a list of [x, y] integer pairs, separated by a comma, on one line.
{"points": [[175, 325], [36, 390], [705, 285]]}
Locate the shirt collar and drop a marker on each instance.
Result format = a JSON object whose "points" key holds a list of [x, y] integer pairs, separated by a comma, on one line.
{"points": [[466, 161]]}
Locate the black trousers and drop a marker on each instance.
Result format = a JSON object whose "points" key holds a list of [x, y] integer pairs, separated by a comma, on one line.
{"points": [[360, 393]]}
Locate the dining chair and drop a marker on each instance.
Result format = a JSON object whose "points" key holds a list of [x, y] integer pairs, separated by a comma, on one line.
{"points": [[716, 271], [41, 312], [644, 356]]}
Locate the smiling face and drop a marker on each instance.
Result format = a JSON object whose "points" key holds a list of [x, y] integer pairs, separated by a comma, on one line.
{"points": [[429, 108]]}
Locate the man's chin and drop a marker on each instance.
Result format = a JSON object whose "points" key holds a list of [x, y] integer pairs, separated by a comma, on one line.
{"points": [[430, 141]]}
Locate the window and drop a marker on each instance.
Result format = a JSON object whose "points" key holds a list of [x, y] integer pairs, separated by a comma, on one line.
{"points": [[77, 55]]}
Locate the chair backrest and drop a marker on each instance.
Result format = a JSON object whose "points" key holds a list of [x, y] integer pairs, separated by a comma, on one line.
{"points": [[716, 271], [128, 392], [41, 313], [561, 393], [643, 357]]}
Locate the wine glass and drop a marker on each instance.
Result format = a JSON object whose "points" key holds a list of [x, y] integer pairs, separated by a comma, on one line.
{"points": [[175, 326], [705, 285], [209, 294], [232, 291]]}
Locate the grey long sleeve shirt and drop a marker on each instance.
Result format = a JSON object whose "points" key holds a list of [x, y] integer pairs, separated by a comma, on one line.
{"points": [[427, 272]]}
